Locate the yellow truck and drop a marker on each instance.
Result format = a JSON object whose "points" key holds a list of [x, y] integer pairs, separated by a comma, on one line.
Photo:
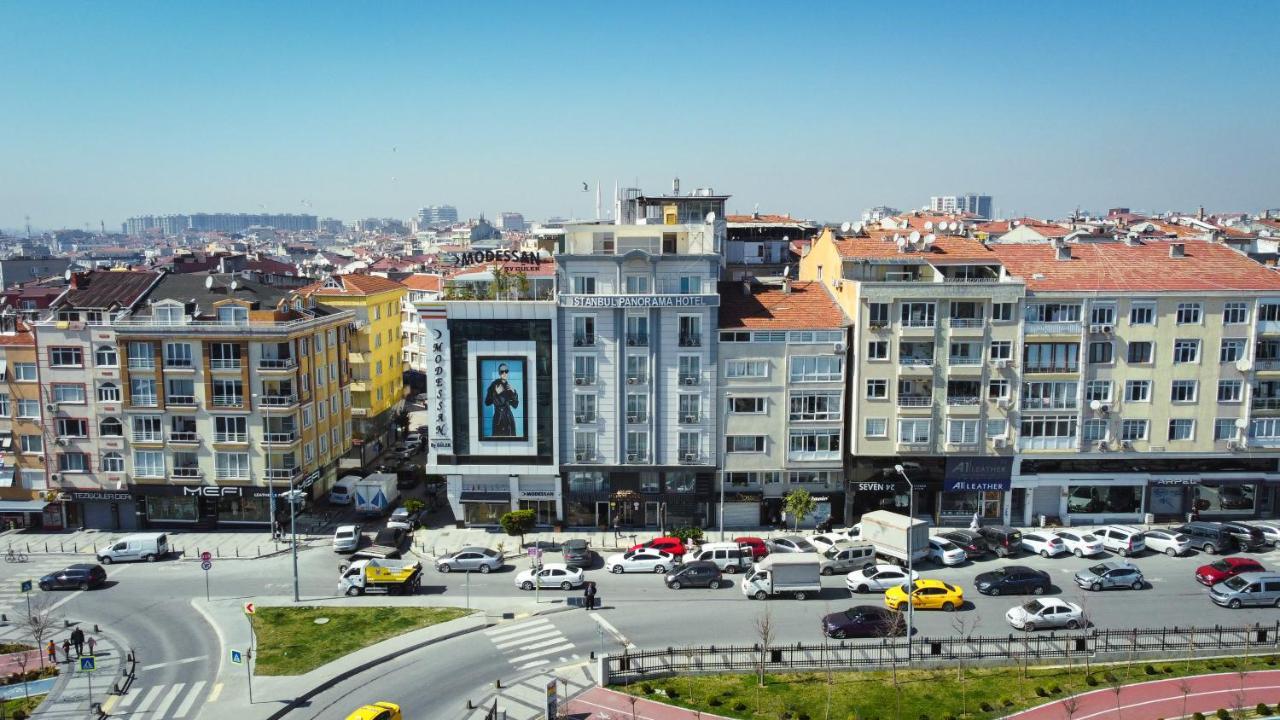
{"points": [[395, 577]]}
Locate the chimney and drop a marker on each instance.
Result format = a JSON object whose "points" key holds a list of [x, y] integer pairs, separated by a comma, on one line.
{"points": [[1132, 240], [675, 186], [1064, 252], [786, 286], [746, 288], [1177, 250], [1200, 213]]}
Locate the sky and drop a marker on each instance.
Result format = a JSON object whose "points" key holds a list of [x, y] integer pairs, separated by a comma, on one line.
{"points": [[821, 110]]}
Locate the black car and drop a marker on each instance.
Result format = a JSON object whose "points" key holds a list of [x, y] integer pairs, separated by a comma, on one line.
{"points": [[1246, 536], [388, 543], [1003, 540], [1013, 580], [865, 621], [577, 553], [407, 480], [82, 576], [969, 541], [699, 573]]}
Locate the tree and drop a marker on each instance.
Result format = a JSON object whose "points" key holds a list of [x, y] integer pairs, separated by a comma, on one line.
{"points": [[765, 632], [799, 504], [1184, 687], [522, 284], [518, 522], [963, 626], [1070, 706], [40, 622]]}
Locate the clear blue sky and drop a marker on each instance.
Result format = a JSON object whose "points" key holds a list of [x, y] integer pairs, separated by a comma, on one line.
{"points": [[375, 109]]}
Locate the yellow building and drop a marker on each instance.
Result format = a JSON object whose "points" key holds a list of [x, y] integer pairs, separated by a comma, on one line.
{"points": [[377, 385]]}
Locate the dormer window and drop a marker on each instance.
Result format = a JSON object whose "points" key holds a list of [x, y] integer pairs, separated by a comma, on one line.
{"points": [[167, 315], [233, 314]]}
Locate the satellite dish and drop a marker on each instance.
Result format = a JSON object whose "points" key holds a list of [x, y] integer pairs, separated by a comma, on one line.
{"points": [[857, 227], [915, 237], [1242, 423], [234, 285], [67, 275], [930, 239], [711, 217], [1095, 405], [845, 226], [897, 238], [902, 242], [928, 225], [786, 271], [208, 283], [954, 226]]}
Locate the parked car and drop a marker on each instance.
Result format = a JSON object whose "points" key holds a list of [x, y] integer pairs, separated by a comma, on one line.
{"points": [[139, 546], [824, 541], [404, 450], [551, 575], [1169, 542], [1122, 539], [1209, 538], [1003, 540], [1228, 567], [402, 518], [376, 711], [577, 553], [729, 557], [81, 576], [1110, 574], [877, 578], [972, 543], [407, 480], [853, 532], [1045, 544], [390, 537], [1270, 531], [346, 538], [945, 552], [479, 559], [792, 544], [1013, 580], [1247, 537], [862, 621], [670, 545], [844, 557], [759, 548], [641, 560], [343, 491], [926, 594], [1080, 543], [699, 573], [1258, 589], [1046, 613]]}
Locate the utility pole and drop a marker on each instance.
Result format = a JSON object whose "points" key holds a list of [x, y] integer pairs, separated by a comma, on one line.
{"points": [[911, 583]]}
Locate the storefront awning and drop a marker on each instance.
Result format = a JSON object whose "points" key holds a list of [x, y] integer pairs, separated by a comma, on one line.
{"points": [[32, 506], [6, 476], [477, 496]]}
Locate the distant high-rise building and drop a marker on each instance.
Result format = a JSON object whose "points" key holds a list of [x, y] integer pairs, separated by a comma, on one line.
{"points": [[332, 226], [437, 215], [974, 203], [511, 221], [879, 212], [217, 222]]}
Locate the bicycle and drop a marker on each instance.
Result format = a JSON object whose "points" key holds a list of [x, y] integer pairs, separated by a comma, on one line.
{"points": [[14, 556]]}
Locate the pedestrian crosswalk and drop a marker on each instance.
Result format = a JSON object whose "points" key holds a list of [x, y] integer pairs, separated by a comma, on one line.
{"points": [[160, 702], [532, 643]]}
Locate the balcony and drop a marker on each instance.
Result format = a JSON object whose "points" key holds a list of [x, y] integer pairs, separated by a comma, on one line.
{"points": [[1265, 403], [278, 401], [917, 401], [231, 437], [1048, 443], [187, 472], [915, 365], [148, 472], [228, 400], [690, 340], [965, 360], [143, 401], [584, 379], [963, 400], [919, 323], [142, 363], [1035, 403], [690, 380], [584, 340], [180, 400], [1269, 327], [289, 473], [269, 364], [1052, 328], [1052, 368], [637, 339], [147, 437], [177, 364], [184, 437], [225, 364], [584, 417], [637, 417], [966, 323], [636, 380], [1266, 365], [279, 438]]}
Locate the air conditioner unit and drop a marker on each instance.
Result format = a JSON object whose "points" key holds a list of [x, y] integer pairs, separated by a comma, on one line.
{"points": [[55, 477], [1233, 445], [631, 342], [1102, 446], [691, 457], [582, 418], [1108, 329], [633, 381], [840, 348], [1104, 409], [999, 443], [61, 441], [579, 381], [1003, 403], [1127, 445], [634, 457], [690, 419], [690, 381], [1001, 364], [50, 407], [633, 418], [580, 456]]}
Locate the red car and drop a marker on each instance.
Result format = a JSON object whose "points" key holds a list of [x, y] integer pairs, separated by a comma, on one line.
{"points": [[759, 548], [673, 545], [1226, 568]]}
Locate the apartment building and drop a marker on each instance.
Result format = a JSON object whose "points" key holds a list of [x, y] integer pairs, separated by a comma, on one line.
{"points": [[377, 387], [1052, 379], [760, 245], [230, 394], [23, 482], [636, 346], [782, 359]]}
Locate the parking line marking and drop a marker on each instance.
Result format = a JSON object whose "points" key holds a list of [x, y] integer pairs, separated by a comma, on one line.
{"points": [[540, 653], [189, 700]]}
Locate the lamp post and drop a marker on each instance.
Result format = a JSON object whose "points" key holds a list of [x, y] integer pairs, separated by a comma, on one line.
{"points": [[911, 583]]}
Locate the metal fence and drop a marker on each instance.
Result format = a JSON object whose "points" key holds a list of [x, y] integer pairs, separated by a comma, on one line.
{"points": [[880, 653]]}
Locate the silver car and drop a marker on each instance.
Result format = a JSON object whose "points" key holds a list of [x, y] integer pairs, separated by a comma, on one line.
{"points": [[1110, 574], [792, 544], [479, 559]]}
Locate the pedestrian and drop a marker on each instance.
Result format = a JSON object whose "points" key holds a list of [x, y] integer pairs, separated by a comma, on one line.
{"points": [[975, 523], [53, 652], [589, 595], [77, 639], [92, 644], [66, 649]]}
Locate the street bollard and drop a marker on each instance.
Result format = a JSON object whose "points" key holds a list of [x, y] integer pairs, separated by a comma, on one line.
{"points": [[237, 551], [97, 629]]}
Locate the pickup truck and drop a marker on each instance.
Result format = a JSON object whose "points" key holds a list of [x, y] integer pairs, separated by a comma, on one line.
{"points": [[395, 577]]}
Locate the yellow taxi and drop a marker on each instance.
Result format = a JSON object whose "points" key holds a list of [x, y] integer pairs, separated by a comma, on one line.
{"points": [[927, 594], [376, 711]]}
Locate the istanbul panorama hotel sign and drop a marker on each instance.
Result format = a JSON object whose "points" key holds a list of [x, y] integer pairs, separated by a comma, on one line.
{"points": [[638, 301]]}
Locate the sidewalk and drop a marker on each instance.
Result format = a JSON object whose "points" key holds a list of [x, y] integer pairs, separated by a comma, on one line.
{"points": [[1164, 698], [75, 692], [227, 544], [605, 704]]}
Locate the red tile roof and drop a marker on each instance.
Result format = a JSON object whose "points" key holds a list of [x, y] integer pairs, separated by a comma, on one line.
{"points": [[421, 281], [352, 285], [808, 306], [946, 248], [1111, 267]]}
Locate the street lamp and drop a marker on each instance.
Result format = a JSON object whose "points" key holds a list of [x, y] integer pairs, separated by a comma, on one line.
{"points": [[911, 583]]}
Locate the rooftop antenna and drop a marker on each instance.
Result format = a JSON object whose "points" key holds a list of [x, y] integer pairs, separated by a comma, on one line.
{"points": [[28, 219]]}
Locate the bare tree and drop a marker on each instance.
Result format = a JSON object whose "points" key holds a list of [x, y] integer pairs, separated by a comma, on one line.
{"points": [[22, 659], [1117, 686], [1184, 687], [1083, 602], [40, 622], [827, 662], [1070, 706], [963, 626], [632, 699], [896, 626], [765, 632], [1237, 702]]}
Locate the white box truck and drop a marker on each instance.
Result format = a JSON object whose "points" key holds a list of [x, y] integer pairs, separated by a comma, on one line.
{"points": [[376, 494], [795, 574], [896, 536]]}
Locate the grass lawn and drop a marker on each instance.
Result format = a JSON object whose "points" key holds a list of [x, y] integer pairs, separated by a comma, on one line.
{"points": [[291, 643], [936, 694], [26, 705]]}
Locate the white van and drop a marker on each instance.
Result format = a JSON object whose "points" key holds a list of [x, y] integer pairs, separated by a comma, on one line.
{"points": [[344, 490], [143, 546], [729, 557]]}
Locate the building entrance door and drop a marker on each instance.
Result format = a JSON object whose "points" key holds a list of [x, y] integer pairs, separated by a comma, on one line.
{"points": [[602, 514], [651, 518]]}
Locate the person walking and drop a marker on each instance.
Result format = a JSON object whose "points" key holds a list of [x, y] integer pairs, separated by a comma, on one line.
{"points": [[53, 652], [66, 649], [77, 639], [589, 595], [92, 644]]}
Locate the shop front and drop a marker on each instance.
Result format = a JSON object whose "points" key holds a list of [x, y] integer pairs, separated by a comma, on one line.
{"points": [[203, 506], [1174, 497], [650, 499], [743, 509], [542, 496], [974, 486], [948, 491], [101, 509]]}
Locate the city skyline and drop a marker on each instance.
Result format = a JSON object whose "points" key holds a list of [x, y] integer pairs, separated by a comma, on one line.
{"points": [[1060, 107]]}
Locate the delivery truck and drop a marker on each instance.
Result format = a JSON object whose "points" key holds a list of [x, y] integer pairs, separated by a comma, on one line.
{"points": [[394, 577], [376, 494], [795, 574], [895, 536]]}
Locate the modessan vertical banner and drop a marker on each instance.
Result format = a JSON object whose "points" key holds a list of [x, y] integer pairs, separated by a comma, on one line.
{"points": [[504, 395], [439, 410]]}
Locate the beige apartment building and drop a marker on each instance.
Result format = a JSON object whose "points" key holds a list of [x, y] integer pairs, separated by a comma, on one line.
{"points": [[1085, 383], [23, 486]]}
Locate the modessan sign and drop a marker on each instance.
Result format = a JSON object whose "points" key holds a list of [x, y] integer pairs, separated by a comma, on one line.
{"points": [[480, 257]]}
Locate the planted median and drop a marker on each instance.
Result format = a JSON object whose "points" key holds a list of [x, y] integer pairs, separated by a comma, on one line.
{"points": [[290, 641]]}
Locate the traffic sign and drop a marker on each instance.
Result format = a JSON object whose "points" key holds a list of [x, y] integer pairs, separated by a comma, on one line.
{"points": [[535, 552], [248, 608], [206, 565], [88, 664], [26, 586], [553, 702], [237, 658], [206, 556]]}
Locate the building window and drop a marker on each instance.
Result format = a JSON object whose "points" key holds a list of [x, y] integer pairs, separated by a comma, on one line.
{"points": [[1235, 313], [637, 330], [962, 432], [1230, 391], [1186, 351], [1052, 313], [1232, 350], [148, 463], [1224, 429], [4, 405], [231, 465], [584, 285], [111, 427], [744, 443], [690, 331], [746, 369], [878, 314], [72, 462], [1182, 429], [1049, 395], [112, 462], [1046, 426], [690, 369], [1099, 390], [814, 444], [914, 432], [1001, 350], [228, 393], [142, 392], [1183, 391], [1095, 499], [1100, 352], [690, 407], [1140, 352], [105, 356], [1142, 314], [1102, 315], [178, 355], [1051, 357], [637, 446], [877, 389], [746, 405], [690, 447], [584, 331], [1133, 430], [878, 350], [141, 356], [146, 428], [1269, 312], [735, 337], [71, 427], [66, 357], [919, 314], [822, 406], [28, 409], [997, 428], [307, 416], [637, 408], [876, 427], [998, 390], [1188, 313], [1094, 430], [31, 444], [24, 372], [108, 392], [816, 368], [67, 394], [230, 429], [584, 446], [1002, 312], [636, 284], [1137, 391], [584, 407]]}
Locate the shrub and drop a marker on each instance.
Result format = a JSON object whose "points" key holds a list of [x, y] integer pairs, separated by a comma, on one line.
{"points": [[1197, 716], [1223, 714], [1041, 691], [1262, 710], [20, 715], [924, 716], [1110, 678], [1167, 669], [985, 707], [1055, 689], [1006, 702], [673, 693], [1090, 680], [739, 706], [715, 702], [646, 688], [1150, 669], [688, 534], [949, 716], [803, 716]]}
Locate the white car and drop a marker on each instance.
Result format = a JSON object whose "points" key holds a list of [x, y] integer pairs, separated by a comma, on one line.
{"points": [[826, 541], [1168, 542], [405, 450], [877, 578], [1270, 532], [945, 552], [1045, 543], [1081, 543], [1046, 613], [641, 560], [552, 575]]}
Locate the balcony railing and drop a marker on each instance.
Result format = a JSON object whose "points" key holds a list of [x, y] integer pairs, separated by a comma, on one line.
{"points": [[637, 417], [584, 340], [637, 457], [637, 339], [282, 473], [1268, 327], [1052, 367], [143, 401], [279, 400], [146, 472], [690, 418], [689, 380], [584, 455], [690, 457], [916, 361], [919, 323], [177, 364], [279, 437], [584, 417], [1034, 403], [184, 436], [584, 379], [277, 363], [966, 322], [1265, 403], [965, 360], [1048, 443], [228, 400], [142, 363], [1266, 364], [963, 400], [224, 364], [150, 437], [691, 340], [915, 400], [187, 472], [187, 400], [231, 437], [635, 379], [1052, 328]]}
